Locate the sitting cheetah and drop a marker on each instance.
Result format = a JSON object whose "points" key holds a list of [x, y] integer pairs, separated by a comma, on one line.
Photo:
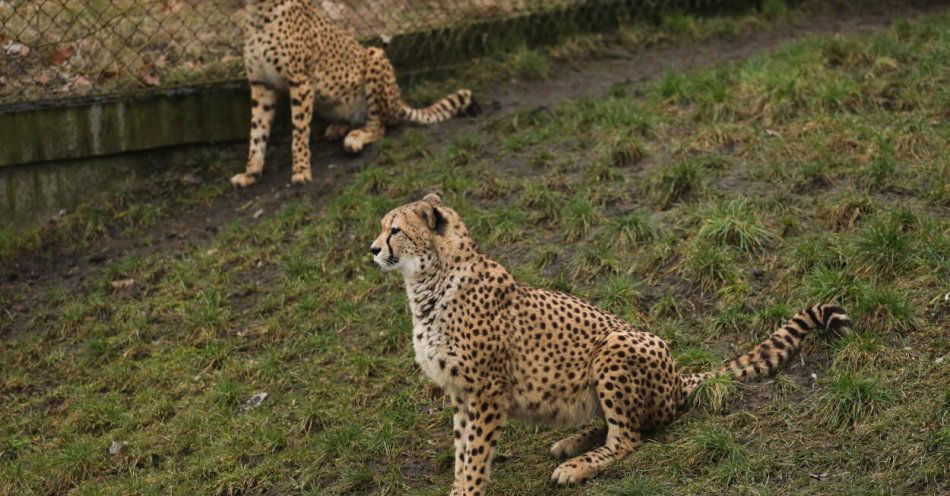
{"points": [[291, 46], [499, 349]]}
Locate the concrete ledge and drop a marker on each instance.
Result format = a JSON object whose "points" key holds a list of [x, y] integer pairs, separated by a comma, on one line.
{"points": [[110, 126]]}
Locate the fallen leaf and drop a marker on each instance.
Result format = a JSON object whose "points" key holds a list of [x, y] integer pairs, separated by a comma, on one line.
{"points": [[190, 179], [258, 213], [254, 401], [81, 83], [151, 80], [821, 476], [173, 6], [115, 447], [108, 74], [888, 63], [41, 79], [62, 54], [15, 49], [123, 283]]}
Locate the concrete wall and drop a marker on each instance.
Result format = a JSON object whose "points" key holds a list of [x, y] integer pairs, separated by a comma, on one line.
{"points": [[112, 126]]}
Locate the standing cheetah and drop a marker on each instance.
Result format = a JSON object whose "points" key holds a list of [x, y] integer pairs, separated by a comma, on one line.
{"points": [[291, 46], [499, 349]]}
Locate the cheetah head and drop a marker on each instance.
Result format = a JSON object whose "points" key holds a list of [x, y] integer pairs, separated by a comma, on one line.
{"points": [[416, 236]]}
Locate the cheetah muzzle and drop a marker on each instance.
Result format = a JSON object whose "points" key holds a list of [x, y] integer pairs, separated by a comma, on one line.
{"points": [[291, 46], [502, 349]]}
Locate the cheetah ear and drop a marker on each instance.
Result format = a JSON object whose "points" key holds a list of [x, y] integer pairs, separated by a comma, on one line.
{"points": [[434, 219], [433, 199]]}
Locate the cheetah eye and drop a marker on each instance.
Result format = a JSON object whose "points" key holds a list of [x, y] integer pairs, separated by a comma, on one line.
{"points": [[395, 230]]}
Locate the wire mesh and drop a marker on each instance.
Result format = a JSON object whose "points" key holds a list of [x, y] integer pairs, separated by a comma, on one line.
{"points": [[56, 49]]}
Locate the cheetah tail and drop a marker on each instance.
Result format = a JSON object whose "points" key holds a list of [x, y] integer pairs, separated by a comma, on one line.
{"points": [[773, 353], [446, 108]]}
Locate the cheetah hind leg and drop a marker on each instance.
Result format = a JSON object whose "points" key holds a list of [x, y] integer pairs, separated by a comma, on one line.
{"points": [[623, 411], [357, 139], [580, 442], [380, 78], [336, 131]]}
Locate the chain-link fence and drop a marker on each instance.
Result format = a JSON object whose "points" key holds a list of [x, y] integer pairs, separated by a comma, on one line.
{"points": [[54, 49]]}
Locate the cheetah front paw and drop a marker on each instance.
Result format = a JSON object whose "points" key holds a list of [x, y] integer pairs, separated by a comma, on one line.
{"points": [[573, 472], [353, 142], [336, 132], [301, 177], [566, 448], [578, 443], [243, 180]]}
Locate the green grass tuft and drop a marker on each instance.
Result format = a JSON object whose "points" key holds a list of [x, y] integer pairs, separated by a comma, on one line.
{"points": [[710, 265], [884, 245], [638, 486], [853, 397], [774, 9], [628, 231], [712, 394], [735, 223], [529, 64], [676, 182], [580, 216]]}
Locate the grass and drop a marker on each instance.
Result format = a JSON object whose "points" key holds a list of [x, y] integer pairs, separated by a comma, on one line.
{"points": [[735, 224], [713, 394], [676, 182], [765, 186], [852, 397]]}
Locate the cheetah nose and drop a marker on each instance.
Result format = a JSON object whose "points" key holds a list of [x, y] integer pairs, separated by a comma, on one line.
{"points": [[374, 250]]}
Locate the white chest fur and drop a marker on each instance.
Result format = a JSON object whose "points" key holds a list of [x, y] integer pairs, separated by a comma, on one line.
{"points": [[432, 345], [432, 355]]}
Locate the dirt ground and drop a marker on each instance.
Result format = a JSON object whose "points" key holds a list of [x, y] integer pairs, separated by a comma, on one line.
{"points": [[29, 273]]}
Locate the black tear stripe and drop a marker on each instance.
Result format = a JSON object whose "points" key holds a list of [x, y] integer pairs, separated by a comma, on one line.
{"points": [[391, 254]]}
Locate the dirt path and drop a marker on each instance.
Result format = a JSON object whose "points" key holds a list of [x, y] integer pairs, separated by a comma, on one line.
{"points": [[23, 279]]}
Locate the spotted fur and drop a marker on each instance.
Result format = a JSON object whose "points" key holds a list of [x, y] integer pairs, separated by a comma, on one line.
{"points": [[291, 46], [773, 353], [502, 349]]}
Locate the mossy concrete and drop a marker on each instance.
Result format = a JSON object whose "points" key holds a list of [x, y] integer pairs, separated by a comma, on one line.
{"points": [[119, 125], [35, 192]]}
